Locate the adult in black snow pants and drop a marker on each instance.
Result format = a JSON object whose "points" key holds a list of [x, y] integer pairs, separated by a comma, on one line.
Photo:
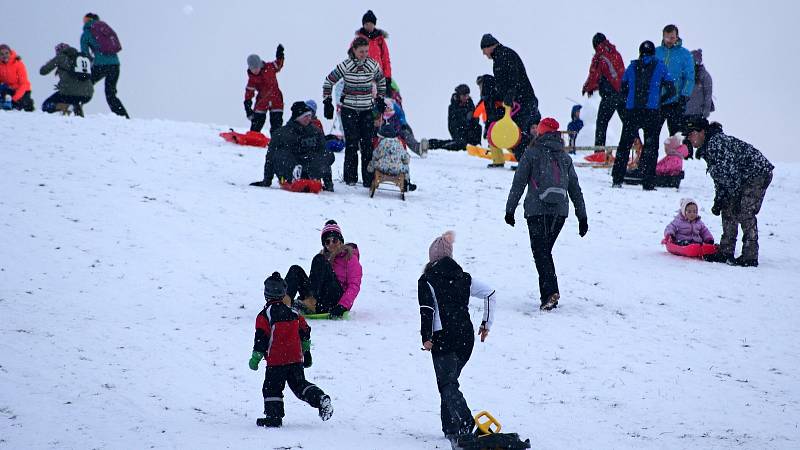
{"points": [[465, 129], [550, 178], [443, 291]]}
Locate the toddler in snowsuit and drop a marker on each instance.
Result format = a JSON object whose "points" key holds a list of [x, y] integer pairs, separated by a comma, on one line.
{"points": [[672, 163], [284, 338], [390, 156], [687, 228], [262, 77], [575, 125]]}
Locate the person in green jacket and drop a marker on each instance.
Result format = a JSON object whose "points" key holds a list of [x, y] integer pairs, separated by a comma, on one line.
{"points": [[104, 65], [74, 86]]}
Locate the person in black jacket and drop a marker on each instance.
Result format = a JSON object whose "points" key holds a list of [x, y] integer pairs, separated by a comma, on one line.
{"points": [[513, 85], [298, 143], [443, 291], [464, 128]]}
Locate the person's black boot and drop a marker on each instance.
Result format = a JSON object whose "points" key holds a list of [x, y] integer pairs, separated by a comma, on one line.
{"points": [[269, 422], [742, 262], [718, 258]]}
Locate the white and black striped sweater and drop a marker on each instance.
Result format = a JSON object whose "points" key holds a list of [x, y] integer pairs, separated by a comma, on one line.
{"points": [[358, 77]]}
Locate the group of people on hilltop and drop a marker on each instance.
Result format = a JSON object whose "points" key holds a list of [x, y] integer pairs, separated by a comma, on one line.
{"points": [[77, 71]]}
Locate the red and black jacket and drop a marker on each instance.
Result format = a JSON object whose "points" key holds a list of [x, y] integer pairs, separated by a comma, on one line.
{"points": [[279, 332]]}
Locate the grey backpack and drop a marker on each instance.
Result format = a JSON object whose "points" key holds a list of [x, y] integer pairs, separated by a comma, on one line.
{"points": [[550, 179]]}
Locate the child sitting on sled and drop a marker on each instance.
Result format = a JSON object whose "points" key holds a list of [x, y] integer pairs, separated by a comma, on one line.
{"points": [[389, 155], [687, 228], [283, 338], [672, 163]]}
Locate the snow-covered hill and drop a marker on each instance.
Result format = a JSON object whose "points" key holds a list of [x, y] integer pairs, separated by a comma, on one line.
{"points": [[132, 256]]}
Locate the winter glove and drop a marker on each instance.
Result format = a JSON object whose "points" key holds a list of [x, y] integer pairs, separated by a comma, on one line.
{"points": [[307, 359], [248, 109], [255, 359], [279, 52], [328, 108], [337, 311], [583, 227], [380, 105], [510, 219]]}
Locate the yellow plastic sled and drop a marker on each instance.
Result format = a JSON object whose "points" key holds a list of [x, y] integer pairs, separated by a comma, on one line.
{"points": [[504, 133], [480, 152]]}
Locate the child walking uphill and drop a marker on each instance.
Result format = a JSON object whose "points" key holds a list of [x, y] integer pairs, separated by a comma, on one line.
{"points": [[444, 290], [687, 228], [284, 338]]}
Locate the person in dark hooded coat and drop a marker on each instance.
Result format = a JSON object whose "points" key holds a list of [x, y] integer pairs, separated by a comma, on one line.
{"points": [[463, 126]]}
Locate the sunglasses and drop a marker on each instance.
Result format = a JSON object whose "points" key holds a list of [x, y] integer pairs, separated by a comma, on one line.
{"points": [[331, 240]]}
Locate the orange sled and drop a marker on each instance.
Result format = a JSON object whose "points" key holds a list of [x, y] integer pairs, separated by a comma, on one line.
{"points": [[253, 138]]}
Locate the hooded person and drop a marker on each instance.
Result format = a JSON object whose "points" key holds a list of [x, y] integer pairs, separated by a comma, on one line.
{"points": [[464, 127], [14, 82], [262, 83], [378, 46], [101, 43], [687, 227], [680, 65], [74, 86], [574, 126], [701, 102], [605, 76], [549, 176], [443, 292]]}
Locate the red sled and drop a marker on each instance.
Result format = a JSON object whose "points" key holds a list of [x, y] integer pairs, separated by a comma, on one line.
{"points": [[303, 185], [253, 138], [691, 250], [596, 157]]}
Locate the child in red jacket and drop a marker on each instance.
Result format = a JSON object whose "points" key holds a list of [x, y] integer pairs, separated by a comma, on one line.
{"points": [[262, 78], [283, 338]]}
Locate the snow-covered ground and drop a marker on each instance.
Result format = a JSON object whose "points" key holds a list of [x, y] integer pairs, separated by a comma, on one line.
{"points": [[132, 256]]}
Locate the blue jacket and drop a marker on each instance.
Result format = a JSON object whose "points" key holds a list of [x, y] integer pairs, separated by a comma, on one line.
{"points": [[680, 65], [89, 42], [576, 124], [643, 81]]}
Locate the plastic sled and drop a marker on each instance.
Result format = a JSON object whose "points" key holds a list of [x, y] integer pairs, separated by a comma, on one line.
{"points": [[303, 185], [666, 181], [480, 152], [691, 250], [505, 133], [487, 436], [325, 316], [252, 138]]}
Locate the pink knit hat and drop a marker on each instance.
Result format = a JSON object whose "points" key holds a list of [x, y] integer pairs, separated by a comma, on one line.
{"points": [[672, 143], [442, 246], [331, 229]]}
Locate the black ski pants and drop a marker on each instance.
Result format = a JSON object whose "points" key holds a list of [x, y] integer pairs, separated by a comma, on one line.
{"points": [[650, 121], [456, 415], [111, 74], [608, 105], [358, 132], [259, 119], [673, 115], [322, 284], [543, 232], [275, 380]]}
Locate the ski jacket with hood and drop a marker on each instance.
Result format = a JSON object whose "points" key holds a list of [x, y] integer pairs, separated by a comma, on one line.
{"points": [[680, 65], [460, 118], [14, 75], [605, 71], [701, 102], [89, 46], [347, 267], [280, 331], [68, 82], [378, 48], [270, 97], [643, 82]]}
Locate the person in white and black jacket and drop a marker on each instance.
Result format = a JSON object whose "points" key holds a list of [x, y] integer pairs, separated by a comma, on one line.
{"points": [[444, 290]]}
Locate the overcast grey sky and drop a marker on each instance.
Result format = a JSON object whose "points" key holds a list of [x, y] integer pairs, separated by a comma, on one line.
{"points": [[186, 60]]}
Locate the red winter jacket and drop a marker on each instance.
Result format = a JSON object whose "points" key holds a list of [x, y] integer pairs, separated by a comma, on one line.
{"points": [[378, 50], [270, 97], [606, 70], [14, 75], [279, 331]]}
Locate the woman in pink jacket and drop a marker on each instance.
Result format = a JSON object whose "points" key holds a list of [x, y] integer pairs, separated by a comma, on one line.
{"points": [[335, 278], [687, 228], [672, 164]]}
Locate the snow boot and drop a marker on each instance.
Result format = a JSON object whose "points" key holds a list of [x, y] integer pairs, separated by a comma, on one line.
{"points": [[742, 262], [718, 258], [325, 408], [424, 145], [552, 302], [493, 165], [269, 422]]}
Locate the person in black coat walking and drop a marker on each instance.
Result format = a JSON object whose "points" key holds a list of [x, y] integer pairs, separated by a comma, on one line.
{"points": [[444, 290], [464, 128]]}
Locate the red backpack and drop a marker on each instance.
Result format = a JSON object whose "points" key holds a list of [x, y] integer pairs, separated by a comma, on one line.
{"points": [[107, 40]]}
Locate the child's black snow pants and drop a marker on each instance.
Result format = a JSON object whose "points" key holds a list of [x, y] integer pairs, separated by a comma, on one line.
{"points": [[275, 380]]}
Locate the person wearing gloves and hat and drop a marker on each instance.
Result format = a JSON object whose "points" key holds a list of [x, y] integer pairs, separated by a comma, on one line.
{"points": [[74, 86], [741, 176], [14, 82], [443, 291], [605, 76], [262, 78], [283, 339], [642, 85], [512, 85], [297, 150], [465, 129], [378, 48], [548, 174], [334, 282]]}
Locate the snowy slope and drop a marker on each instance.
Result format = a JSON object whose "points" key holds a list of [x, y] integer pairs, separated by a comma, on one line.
{"points": [[132, 257]]}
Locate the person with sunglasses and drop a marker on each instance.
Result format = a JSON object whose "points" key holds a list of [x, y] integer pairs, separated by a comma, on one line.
{"points": [[335, 278]]}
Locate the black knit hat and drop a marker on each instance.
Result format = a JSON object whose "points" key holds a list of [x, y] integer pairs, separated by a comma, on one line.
{"points": [[369, 16], [488, 40], [647, 48], [274, 287], [695, 123], [298, 109], [598, 39], [462, 89]]}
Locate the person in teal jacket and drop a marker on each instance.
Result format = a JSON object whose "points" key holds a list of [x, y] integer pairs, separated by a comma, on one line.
{"points": [[680, 65], [104, 65]]}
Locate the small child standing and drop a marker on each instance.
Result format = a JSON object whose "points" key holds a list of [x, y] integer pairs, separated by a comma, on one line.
{"points": [[672, 164], [575, 126], [687, 228], [284, 338]]}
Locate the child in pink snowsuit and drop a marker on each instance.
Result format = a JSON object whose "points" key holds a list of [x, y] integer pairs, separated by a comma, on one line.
{"points": [[687, 228], [672, 164]]}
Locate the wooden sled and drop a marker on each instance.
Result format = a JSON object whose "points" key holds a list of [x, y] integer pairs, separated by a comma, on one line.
{"points": [[397, 180]]}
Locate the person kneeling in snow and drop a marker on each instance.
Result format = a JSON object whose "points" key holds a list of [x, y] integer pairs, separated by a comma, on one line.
{"points": [[443, 292], [390, 157], [298, 144], [335, 278], [464, 127], [687, 228], [283, 338], [74, 86]]}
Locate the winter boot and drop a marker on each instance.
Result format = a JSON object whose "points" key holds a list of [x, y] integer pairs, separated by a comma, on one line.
{"points": [[424, 145], [552, 302], [434, 143], [325, 407], [494, 166], [742, 262], [718, 258], [269, 422]]}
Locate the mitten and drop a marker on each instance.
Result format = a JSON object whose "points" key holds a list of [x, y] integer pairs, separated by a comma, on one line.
{"points": [[255, 359], [307, 359], [279, 52], [248, 109], [510, 219], [716, 208], [337, 311], [583, 227], [328, 108]]}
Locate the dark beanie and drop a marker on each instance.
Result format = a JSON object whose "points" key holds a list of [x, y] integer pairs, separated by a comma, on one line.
{"points": [[695, 123], [298, 109], [369, 16], [462, 89], [488, 40], [598, 39], [387, 131], [647, 49], [274, 287]]}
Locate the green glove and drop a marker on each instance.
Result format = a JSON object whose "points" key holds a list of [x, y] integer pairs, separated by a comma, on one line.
{"points": [[255, 359], [306, 345]]}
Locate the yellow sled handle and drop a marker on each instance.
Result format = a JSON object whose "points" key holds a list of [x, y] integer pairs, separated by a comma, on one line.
{"points": [[485, 427]]}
